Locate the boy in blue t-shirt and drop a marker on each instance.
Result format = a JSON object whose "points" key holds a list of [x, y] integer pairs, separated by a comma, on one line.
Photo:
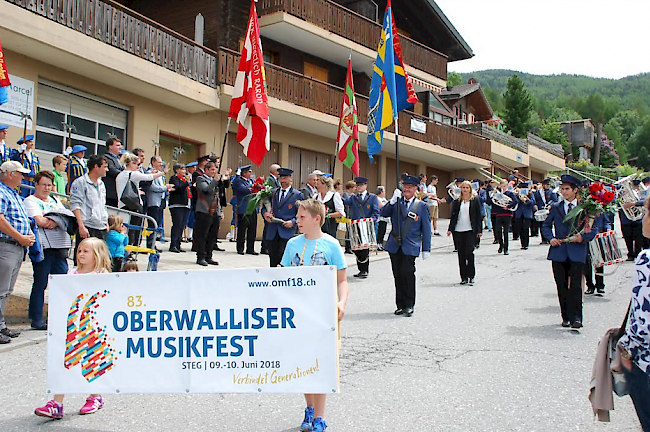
{"points": [[313, 247]]}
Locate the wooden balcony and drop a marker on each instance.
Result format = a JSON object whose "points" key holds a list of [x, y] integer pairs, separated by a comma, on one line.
{"points": [[127, 30], [337, 19], [310, 93]]}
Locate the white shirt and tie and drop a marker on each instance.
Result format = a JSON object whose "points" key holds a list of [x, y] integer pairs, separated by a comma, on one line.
{"points": [[568, 206], [284, 193]]}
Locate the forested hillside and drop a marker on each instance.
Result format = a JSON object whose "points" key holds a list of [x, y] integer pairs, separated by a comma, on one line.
{"points": [[622, 105]]}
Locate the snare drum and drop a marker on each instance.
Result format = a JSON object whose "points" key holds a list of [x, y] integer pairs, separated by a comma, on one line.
{"points": [[604, 250], [362, 234], [541, 215]]}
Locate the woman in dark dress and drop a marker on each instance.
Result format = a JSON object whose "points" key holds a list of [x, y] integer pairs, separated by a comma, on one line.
{"points": [[333, 204]]}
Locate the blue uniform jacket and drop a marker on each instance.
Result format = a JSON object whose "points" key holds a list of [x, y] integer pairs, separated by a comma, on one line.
{"points": [[551, 198], [7, 154], [525, 209], [241, 188], [576, 252], [482, 198], [369, 208], [75, 170], [285, 210], [625, 220], [34, 167], [418, 235]]}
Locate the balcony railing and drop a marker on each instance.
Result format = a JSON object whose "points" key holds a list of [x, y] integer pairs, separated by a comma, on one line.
{"points": [[122, 28], [310, 93], [333, 17], [554, 149], [496, 135]]}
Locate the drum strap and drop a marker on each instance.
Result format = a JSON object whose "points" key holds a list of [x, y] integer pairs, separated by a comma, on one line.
{"points": [[407, 221]]}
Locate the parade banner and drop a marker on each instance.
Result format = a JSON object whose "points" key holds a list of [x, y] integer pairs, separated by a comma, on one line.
{"points": [[220, 331]]}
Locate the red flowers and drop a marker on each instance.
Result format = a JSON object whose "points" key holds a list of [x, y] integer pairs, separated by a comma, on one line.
{"points": [[608, 197], [258, 185], [594, 188]]}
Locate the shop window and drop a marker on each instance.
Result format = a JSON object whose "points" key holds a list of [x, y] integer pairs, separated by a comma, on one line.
{"points": [[49, 142], [84, 127], [49, 119]]}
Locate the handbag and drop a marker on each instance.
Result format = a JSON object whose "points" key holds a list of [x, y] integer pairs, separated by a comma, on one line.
{"points": [[131, 197], [619, 383]]}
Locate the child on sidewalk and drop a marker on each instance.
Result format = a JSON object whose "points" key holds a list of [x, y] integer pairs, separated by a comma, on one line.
{"points": [[313, 248], [116, 239], [92, 257]]}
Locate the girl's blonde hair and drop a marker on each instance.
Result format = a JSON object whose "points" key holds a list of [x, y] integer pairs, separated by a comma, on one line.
{"points": [[472, 193], [313, 207], [128, 158], [100, 250], [115, 223]]}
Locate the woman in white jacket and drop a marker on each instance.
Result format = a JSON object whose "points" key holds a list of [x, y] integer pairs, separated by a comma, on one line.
{"points": [[132, 175]]}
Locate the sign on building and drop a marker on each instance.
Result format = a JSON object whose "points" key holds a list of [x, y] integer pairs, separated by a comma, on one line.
{"points": [[21, 102], [222, 331]]}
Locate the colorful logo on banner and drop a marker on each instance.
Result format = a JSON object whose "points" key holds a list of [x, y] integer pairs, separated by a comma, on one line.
{"points": [[86, 342]]}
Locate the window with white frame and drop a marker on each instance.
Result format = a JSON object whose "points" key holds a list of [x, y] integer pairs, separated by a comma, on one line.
{"points": [[66, 116]]}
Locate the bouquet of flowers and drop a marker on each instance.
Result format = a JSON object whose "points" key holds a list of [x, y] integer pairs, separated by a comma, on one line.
{"points": [[592, 202], [263, 190]]}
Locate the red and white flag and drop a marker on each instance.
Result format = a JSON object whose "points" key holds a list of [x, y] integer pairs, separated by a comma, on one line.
{"points": [[249, 100]]}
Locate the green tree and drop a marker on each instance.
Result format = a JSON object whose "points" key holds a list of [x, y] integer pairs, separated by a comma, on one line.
{"points": [[643, 161], [552, 132], [454, 79], [640, 138], [625, 123], [564, 114], [518, 107]]}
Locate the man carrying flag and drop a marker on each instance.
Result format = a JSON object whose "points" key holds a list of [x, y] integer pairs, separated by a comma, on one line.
{"points": [[348, 136], [6, 153], [249, 103], [391, 90]]}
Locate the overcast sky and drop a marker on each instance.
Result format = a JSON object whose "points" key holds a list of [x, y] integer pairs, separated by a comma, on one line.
{"points": [[601, 38]]}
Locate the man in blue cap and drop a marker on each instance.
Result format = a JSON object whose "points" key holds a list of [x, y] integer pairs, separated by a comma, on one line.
{"points": [[544, 199], [281, 220], [6, 153], [247, 224], [363, 205], [411, 234], [523, 216], [77, 165], [568, 252], [26, 156]]}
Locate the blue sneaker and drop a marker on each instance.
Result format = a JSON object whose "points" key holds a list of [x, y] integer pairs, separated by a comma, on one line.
{"points": [[319, 425], [307, 425]]}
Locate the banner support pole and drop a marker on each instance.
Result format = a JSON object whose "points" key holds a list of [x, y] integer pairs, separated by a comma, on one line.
{"points": [[398, 237], [223, 146]]}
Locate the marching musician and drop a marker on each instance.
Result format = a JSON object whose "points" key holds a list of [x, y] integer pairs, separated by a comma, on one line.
{"points": [[283, 206], [601, 225], [632, 230], [364, 205], [457, 182], [29, 160], [544, 199], [568, 254], [524, 215], [414, 231], [503, 216], [6, 153], [246, 224], [77, 165]]}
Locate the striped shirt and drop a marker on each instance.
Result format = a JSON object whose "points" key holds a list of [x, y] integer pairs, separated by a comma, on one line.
{"points": [[13, 209]]}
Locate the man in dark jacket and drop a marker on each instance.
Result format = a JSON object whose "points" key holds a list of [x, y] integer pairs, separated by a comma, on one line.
{"points": [[246, 224], [112, 156], [208, 215]]}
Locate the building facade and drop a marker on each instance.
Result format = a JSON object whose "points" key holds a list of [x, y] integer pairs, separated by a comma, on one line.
{"points": [[160, 74]]}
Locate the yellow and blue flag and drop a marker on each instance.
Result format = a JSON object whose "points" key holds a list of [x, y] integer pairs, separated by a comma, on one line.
{"points": [[391, 90]]}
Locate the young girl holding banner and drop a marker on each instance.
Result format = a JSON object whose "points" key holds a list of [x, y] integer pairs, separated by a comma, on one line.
{"points": [[310, 249], [92, 257]]}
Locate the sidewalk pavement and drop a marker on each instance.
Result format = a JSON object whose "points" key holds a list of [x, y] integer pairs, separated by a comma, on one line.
{"points": [[17, 306]]}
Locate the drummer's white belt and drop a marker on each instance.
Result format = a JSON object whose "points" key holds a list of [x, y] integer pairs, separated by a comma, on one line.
{"points": [[364, 261]]}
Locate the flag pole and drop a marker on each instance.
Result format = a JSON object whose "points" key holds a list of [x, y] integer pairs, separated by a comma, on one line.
{"points": [[223, 146], [398, 237]]}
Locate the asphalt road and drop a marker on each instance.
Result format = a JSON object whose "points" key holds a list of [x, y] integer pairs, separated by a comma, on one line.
{"points": [[491, 357]]}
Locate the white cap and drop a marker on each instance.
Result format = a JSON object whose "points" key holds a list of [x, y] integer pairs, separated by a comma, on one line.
{"points": [[317, 172], [13, 166]]}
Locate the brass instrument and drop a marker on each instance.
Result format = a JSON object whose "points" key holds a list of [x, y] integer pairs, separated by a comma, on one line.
{"points": [[628, 194], [453, 190], [523, 194], [500, 199]]}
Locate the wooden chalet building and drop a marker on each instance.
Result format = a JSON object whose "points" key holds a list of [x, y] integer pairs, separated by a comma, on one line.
{"points": [[159, 74]]}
